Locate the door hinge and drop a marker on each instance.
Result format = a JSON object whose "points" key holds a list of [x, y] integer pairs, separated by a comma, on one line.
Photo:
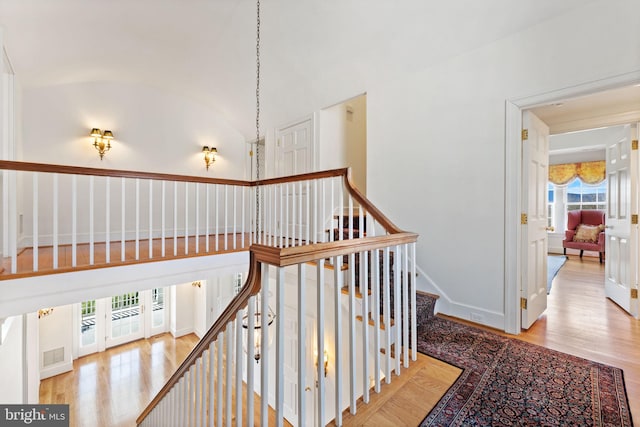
{"points": [[523, 303], [634, 144], [524, 219], [525, 134], [634, 294], [634, 219], [278, 143]]}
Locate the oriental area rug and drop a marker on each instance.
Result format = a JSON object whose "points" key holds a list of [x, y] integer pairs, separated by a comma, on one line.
{"points": [[508, 382]]}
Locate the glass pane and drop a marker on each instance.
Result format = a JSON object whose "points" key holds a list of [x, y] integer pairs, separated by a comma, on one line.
{"points": [[125, 314], [157, 301], [88, 323]]}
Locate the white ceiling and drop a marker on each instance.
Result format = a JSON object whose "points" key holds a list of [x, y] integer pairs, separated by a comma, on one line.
{"points": [[206, 49], [611, 107]]}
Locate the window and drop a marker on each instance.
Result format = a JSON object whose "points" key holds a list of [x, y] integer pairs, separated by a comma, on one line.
{"points": [[583, 196], [88, 323]]}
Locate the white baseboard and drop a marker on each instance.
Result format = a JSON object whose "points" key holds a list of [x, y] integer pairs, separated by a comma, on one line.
{"points": [[56, 370], [446, 305], [181, 332]]}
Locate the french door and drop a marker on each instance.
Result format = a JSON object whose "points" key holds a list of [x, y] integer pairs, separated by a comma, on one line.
{"points": [[123, 318]]}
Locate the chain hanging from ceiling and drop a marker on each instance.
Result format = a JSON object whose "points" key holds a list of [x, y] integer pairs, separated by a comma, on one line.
{"points": [[258, 119]]}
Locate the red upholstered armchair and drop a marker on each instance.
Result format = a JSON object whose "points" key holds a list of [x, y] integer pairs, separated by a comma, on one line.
{"points": [[585, 231]]}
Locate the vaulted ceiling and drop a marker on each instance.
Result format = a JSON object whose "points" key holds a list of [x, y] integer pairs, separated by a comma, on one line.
{"points": [[206, 49]]}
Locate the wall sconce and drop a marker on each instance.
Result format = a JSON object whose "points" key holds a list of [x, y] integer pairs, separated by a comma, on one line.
{"points": [[45, 312], [326, 362], [209, 155], [101, 140]]}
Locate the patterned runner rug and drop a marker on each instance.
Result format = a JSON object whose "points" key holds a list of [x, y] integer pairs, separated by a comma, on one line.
{"points": [[507, 382]]}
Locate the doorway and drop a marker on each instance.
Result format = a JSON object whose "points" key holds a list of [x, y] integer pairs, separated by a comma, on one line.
{"points": [[513, 152], [109, 322]]}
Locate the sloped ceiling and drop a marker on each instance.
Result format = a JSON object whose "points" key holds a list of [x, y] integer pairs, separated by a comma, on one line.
{"points": [[206, 49]]}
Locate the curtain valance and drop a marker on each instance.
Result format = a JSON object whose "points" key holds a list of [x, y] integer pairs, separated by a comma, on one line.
{"points": [[589, 172]]}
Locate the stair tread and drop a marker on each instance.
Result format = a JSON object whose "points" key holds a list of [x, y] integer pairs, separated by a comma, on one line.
{"points": [[372, 323], [428, 294], [329, 266], [345, 290]]}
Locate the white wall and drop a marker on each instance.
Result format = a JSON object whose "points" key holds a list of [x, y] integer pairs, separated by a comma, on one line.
{"points": [[154, 132], [182, 318], [343, 139], [444, 175], [56, 331]]}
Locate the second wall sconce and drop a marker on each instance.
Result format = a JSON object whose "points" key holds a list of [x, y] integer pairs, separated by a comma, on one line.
{"points": [[209, 155], [101, 141]]}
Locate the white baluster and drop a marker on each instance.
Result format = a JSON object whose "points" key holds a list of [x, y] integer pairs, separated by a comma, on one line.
{"points": [[294, 211], [307, 225], [55, 220], [302, 344], [217, 231], [206, 218], [282, 224], [251, 313], [238, 362], [197, 370], [35, 221], [320, 343], [264, 344], [186, 218], [212, 392], [364, 291], [150, 219], [352, 332], [229, 373], [163, 218], [74, 219], [219, 366], [243, 195], [123, 237], [197, 213], [300, 226], [235, 229], [414, 323], [397, 314], [331, 214], [386, 314], [226, 219], [405, 305], [107, 220], [175, 218], [375, 285], [137, 218], [91, 219], [337, 357], [280, 346]]}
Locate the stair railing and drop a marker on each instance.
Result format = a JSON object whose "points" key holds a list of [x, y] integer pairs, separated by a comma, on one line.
{"points": [[366, 339], [51, 212]]}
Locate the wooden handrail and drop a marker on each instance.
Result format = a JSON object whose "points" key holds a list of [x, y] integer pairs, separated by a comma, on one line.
{"points": [[252, 287], [283, 257], [115, 173], [369, 207]]}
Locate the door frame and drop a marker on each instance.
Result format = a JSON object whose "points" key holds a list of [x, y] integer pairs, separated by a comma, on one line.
{"points": [[514, 180]]}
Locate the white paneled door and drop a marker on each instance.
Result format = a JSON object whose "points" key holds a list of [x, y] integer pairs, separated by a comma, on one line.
{"points": [[621, 264], [294, 154], [535, 169]]}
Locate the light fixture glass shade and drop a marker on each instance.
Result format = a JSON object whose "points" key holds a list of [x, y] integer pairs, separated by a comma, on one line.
{"points": [[107, 134], [257, 330], [95, 132], [205, 149]]}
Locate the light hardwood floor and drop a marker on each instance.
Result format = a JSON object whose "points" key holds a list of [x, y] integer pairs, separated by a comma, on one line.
{"points": [[111, 388]]}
